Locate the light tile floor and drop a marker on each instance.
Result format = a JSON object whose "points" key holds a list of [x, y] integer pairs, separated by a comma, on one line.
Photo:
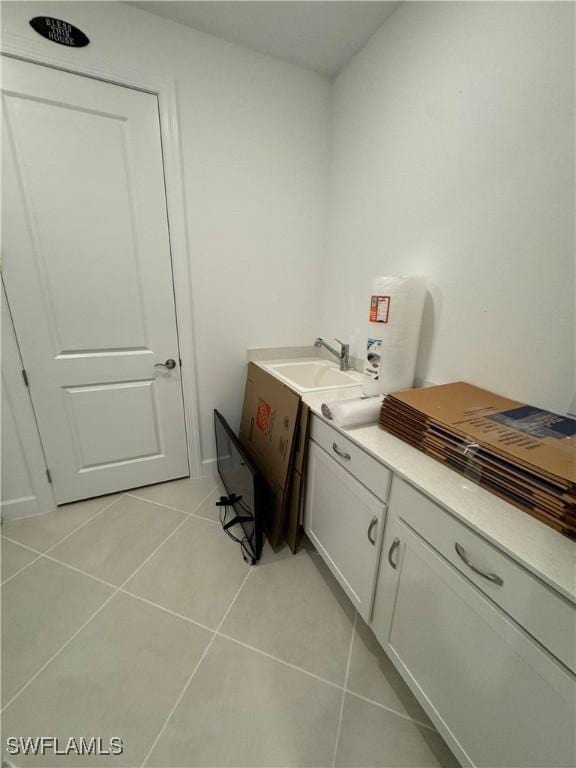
{"points": [[135, 616]]}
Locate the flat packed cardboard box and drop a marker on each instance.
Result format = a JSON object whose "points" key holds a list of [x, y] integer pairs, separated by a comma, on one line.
{"points": [[534, 437], [521, 453], [268, 431]]}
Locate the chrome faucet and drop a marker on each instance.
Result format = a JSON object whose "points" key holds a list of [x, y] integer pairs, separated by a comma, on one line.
{"points": [[343, 356]]}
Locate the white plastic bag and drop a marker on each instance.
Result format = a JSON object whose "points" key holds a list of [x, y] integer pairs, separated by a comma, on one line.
{"points": [[395, 315]]}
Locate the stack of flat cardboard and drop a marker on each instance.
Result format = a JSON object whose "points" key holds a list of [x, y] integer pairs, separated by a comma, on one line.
{"points": [[521, 453]]}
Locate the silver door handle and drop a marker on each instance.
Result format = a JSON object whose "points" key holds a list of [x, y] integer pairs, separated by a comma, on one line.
{"points": [[168, 364], [373, 524], [461, 552], [340, 452], [393, 548]]}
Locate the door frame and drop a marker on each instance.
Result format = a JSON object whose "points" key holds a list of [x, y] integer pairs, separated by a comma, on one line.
{"points": [[27, 434], [166, 93]]}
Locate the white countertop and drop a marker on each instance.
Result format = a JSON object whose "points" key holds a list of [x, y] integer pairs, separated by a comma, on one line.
{"points": [[539, 548]]}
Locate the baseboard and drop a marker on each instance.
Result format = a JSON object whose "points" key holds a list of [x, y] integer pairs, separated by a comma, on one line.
{"points": [[209, 467], [17, 508]]}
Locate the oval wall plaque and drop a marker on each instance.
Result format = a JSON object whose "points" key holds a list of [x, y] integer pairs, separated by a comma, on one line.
{"points": [[58, 31]]}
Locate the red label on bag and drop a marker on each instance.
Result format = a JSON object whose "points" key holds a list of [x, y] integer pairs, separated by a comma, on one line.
{"points": [[379, 309], [263, 415]]}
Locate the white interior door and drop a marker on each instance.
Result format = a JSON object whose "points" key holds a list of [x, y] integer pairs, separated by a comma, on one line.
{"points": [[87, 268]]}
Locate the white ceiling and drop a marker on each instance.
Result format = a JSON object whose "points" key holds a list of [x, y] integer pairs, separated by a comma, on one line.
{"points": [[319, 35]]}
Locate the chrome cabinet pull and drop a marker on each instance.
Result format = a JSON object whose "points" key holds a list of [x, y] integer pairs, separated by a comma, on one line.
{"points": [[340, 452], [168, 364], [393, 548], [373, 524], [461, 552]]}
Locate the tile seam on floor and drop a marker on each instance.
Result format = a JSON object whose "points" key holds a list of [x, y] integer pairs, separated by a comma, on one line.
{"points": [[344, 689], [93, 517], [237, 641], [80, 571], [58, 652], [85, 624], [118, 589], [177, 509], [392, 711], [91, 575], [280, 661], [75, 530], [213, 631], [168, 610], [46, 556], [189, 681], [19, 571], [271, 656]]}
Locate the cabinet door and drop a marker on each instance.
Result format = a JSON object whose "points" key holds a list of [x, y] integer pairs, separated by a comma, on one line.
{"points": [[494, 694], [345, 521]]}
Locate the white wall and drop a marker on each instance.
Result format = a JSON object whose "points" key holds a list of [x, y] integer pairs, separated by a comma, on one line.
{"points": [[254, 134], [453, 157]]}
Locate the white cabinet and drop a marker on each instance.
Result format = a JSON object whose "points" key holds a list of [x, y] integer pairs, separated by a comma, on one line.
{"points": [[345, 452], [345, 522], [497, 697], [543, 613]]}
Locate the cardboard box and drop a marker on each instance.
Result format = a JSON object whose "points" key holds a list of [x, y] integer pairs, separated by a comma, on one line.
{"points": [[268, 432], [532, 436], [521, 453]]}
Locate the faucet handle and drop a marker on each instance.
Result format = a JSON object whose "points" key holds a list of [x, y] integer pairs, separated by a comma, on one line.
{"points": [[340, 342]]}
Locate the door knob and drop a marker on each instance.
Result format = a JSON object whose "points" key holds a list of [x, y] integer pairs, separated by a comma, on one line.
{"points": [[168, 364]]}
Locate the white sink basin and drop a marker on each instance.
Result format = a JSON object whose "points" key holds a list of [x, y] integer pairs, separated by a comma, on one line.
{"points": [[313, 375]]}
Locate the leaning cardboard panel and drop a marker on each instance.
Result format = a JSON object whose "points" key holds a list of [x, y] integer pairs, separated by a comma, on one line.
{"points": [[267, 431], [294, 516]]}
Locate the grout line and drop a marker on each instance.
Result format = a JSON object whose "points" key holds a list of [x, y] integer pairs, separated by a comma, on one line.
{"points": [[80, 571], [344, 689], [45, 554], [92, 576], [9, 578], [178, 700], [58, 652], [403, 715], [183, 692], [244, 580], [280, 661], [215, 632], [93, 517], [177, 509], [104, 604], [168, 610], [151, 555], [29, 549], [274, 658], [24, 546]]}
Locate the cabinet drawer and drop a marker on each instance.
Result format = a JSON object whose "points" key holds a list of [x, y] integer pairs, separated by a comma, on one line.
{"points": [[366, 469], [545, 614]]}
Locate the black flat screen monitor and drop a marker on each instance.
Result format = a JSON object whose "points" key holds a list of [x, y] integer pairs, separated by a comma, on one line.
{"points": [[245, 488]]}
